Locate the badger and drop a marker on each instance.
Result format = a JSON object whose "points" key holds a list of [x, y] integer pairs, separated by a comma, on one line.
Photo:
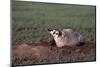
{"points": [[66, 37]]}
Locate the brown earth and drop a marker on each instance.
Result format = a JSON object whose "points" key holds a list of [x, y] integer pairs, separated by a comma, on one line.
{"points": [[47, 52]]}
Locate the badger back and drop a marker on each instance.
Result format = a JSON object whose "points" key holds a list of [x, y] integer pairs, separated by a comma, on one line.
{"points": [[71, 36]]}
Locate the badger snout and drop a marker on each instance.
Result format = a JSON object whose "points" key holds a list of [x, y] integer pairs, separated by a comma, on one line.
{"points": [[50, 30]]}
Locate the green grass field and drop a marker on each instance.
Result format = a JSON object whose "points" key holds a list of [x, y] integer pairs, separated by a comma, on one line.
{"points": [[30, 20]]}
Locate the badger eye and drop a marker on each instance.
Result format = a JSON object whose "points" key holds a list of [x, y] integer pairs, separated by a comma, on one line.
{"points": [[53, 32], [57, 33]]}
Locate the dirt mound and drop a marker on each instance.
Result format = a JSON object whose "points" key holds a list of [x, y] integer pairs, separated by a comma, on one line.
{"points": [[47, 52]]}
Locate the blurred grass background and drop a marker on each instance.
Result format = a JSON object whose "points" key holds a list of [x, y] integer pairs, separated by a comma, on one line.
{"points": [[30, 20]]}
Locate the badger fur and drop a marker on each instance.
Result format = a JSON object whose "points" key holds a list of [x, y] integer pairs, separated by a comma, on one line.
{"points": [[66, 37]]}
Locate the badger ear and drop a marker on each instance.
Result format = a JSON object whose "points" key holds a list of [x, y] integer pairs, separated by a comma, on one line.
{"points": [[49, 29]]}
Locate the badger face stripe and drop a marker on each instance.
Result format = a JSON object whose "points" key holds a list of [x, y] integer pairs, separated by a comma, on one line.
{"points": [[60, 33], [54, 32]]}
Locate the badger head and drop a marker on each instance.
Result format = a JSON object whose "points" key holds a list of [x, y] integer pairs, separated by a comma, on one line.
{"points": [[55, 33]]}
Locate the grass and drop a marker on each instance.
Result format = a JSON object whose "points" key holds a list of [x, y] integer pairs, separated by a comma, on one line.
{"points": [[30, 20]]}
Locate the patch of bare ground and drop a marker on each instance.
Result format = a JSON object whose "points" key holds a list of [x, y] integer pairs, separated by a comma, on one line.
{"points": [[47, 52]]}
